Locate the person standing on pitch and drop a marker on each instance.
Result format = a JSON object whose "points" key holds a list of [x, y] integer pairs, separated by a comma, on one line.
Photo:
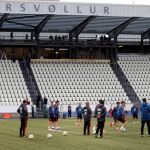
{"points": [[145, 116], [87, 112], [52, 117], [23, 111], [56, 111], [134, 112], [100, 113], [79, 115], [26, 117], [69, 111], [45, 102]]}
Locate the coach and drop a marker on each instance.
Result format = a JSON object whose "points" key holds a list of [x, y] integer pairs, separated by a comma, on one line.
{"points": [[23, 111]]}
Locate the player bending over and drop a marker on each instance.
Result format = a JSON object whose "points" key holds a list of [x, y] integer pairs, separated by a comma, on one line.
{"points": [[100, 113], [52, 117], [79, 115], [121, 116], [114, 115], [87, 112]]}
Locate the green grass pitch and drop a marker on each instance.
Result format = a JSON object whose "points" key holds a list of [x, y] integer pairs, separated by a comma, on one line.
{"points": [[9, 139]]}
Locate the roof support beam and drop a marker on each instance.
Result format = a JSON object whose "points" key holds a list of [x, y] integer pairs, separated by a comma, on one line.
{"points": [[146, 34], [79, 28], [2, 20], [41, 25], [117, 30], [22, 17], [23, 24], [37, 31], [15, 30]]}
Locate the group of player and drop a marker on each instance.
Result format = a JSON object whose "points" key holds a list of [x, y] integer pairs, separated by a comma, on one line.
{"points": [[86, 113], [118, 114], [53, 113]]}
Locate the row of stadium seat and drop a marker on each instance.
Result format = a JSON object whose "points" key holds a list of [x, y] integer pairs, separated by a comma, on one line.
{"points": [[78, 81], [137, 71], [13, 88], [74, 81], [134, 58]]}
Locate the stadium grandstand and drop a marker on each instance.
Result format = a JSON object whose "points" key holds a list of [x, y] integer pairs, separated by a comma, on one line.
{"points": [[73, 52]]}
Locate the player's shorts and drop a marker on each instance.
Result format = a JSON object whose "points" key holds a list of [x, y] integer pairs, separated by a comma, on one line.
{"points": [[135, 116], [52, 118], [123, 120], [115, 119], [79, 116], [57, 117]]}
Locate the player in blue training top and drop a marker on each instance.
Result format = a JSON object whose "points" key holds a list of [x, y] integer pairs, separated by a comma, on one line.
{"points": [[114, 115], [79, 111], [52, 116], [134, 112], [145, 116], [121, 116]]}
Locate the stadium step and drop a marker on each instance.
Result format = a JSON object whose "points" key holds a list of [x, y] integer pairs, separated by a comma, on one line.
{"points": [[30, 80], [124, 82]]}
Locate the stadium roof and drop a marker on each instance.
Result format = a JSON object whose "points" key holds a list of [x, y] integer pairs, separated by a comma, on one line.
{"points": [[106, 22]]}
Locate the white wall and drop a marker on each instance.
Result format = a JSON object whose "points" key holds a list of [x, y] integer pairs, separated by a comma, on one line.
{"points": [[12, 109]]}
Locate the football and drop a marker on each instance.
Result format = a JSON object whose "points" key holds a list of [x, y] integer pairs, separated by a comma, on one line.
{"points": [[49, 136], [65, 133], [94, 130], [31, 136]]}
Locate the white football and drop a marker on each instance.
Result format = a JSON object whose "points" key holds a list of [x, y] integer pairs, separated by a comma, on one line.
{"points": [[31, 136], [65, 133], [94, 130], [49, 136]]}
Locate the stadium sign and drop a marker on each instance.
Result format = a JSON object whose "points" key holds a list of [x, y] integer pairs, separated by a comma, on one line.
{"points": [[61, 8]]}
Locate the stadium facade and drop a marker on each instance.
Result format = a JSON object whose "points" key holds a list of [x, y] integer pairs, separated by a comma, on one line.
{"points": [[53, 29]]}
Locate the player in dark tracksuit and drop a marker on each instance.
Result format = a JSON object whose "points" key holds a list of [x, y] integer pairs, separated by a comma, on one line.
{"points": [[69, 111], [79, 115], [134, 112], [145, 116], [23, 111], [87, 112], [56, 111], [100, 112], [52, 117]]}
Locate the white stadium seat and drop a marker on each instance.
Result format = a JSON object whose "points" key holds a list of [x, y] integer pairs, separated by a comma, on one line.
{"points": [[137, 71], [73, 81], [12, 84]]}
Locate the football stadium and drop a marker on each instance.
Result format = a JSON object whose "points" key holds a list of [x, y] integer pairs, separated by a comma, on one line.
{"points": [[74, 75]]}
